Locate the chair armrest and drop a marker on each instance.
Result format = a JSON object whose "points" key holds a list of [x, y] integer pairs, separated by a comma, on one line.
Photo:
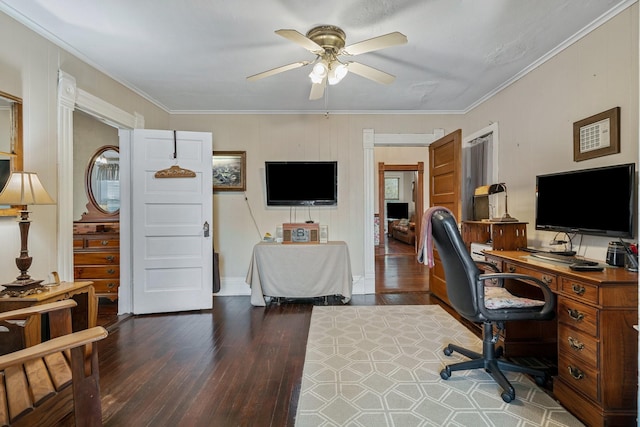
{"points": [[491, 265], [547, 311], [55, 345], [23, 313]]}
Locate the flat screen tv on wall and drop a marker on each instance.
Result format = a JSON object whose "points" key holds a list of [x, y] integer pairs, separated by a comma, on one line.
{"points": [[597, 201], [302, 183]]}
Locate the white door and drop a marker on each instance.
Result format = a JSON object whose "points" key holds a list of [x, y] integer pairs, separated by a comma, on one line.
{"points": [[172, 251]]}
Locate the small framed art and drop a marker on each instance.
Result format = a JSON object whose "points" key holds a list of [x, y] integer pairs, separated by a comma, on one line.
{"points": [[229, 170], [596, 136], [392, 188]]}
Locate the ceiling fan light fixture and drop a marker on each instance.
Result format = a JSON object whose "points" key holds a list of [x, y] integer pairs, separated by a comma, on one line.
{"points": [[319, 72], [337, 72]]}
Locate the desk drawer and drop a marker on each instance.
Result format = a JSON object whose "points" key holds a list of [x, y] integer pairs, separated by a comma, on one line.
{"points": [[550, 279], [97, 272], [577, 315], [99, 258], [581, 291], [579, 376], [101, 242], [103, 286], [578, 345]]}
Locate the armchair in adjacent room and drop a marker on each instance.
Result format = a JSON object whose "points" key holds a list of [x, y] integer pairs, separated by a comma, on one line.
{"points": [[404, 230], [480, 298]]}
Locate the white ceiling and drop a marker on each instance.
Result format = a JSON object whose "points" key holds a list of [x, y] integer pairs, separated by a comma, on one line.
{"points": [[195, 55]]}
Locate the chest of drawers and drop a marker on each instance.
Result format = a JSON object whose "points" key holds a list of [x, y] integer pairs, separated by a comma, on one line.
{"points": [[96, 256]]}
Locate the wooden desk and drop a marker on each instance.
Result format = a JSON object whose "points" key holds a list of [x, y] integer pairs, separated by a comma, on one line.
{"points": [[597, 346], [84, 316]]}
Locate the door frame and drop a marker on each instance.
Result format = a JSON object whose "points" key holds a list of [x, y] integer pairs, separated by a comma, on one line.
{"points": [[70, 98], [370, 140], [418, 193]]}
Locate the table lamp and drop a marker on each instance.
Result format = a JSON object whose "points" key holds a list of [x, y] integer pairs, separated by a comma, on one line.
{"points": [[499, 188], [21, 189]]}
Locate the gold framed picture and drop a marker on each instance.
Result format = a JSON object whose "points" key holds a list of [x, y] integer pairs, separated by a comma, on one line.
{"points": [[229, 170], [596, 136]]}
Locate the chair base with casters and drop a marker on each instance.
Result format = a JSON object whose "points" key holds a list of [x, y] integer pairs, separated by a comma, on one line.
{"points": [[491, 361]]}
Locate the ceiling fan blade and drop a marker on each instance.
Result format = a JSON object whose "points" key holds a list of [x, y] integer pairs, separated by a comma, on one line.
{"points": [[317, 89], [301, 40], [370, 73], [376, 43], [277, 70]]}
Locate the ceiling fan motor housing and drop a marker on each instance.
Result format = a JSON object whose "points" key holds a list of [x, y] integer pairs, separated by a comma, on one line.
{"points": [[329, 37]]}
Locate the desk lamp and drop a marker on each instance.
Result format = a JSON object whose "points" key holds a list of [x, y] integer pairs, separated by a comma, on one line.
{"points": [[499, 188], [24, 188]]}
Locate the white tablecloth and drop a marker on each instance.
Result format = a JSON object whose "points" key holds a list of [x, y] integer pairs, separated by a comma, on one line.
{"points": [[299, 270]]}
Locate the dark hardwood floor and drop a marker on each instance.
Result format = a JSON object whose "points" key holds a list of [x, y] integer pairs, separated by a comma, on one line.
{"points": [[397, 268], [235, 365]]}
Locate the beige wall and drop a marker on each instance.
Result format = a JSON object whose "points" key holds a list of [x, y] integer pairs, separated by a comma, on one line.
{"points": [[29, 69], [536, 115], [403, 156], [89, 134], [296, 137]]}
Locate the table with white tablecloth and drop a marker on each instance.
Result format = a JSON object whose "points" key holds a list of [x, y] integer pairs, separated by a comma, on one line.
{"points": [[299, 271]]}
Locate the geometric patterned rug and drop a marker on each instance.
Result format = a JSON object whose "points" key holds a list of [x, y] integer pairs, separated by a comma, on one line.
{"points": [[370, 366]]}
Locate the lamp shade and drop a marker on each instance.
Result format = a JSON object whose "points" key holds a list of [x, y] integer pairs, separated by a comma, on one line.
{"points": [[497, 188], [24, 188]]}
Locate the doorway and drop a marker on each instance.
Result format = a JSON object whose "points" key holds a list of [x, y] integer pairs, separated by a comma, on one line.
{"points": [[71, 98], [400, 204], [370, 141]]}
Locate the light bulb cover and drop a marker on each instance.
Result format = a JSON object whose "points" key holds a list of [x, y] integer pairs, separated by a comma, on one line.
{"points": [[320, 69], [337, 72]]}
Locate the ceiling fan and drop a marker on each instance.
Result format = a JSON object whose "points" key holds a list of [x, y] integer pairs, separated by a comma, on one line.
{"points": [[327, 42]]}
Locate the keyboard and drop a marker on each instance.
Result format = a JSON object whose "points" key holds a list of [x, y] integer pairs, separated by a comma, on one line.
{"points": [[563, 258]]}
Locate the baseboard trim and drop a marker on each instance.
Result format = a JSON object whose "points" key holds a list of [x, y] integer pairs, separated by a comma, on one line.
{"points": [[236, 286]]}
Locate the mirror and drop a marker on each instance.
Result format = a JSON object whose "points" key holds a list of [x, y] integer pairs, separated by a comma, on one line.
{"points": [[102, 183], [10, 143]]}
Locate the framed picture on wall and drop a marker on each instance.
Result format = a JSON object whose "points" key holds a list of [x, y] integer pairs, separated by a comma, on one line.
{"points": [[392, 188], [229, 170], [596, 136]]}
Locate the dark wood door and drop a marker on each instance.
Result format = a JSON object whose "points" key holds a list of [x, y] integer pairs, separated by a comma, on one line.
{"points": [[445, 189]]}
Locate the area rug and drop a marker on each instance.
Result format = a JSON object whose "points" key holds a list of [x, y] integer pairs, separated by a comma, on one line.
{"points": [[369, 366]]}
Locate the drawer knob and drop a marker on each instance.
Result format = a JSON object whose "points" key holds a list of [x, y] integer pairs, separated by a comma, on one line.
{"points": [[104, 242], [578, 289], [576, 373], [575, 344], [512, 269], [110, 285], [575, 314], [110, 271], [110, 258]]}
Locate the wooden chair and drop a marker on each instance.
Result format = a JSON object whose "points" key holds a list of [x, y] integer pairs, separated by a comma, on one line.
{"points": [[55, 382]]}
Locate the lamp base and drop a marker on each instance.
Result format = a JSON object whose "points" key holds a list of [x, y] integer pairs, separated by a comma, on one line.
{"points": [[504, 219], [27, 283]]}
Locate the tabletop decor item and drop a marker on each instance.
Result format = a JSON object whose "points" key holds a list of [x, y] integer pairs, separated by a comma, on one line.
{"points": [[24, 188]]}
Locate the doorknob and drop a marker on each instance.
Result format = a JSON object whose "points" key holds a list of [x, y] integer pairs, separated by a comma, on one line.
{"points": [[206, 229]]}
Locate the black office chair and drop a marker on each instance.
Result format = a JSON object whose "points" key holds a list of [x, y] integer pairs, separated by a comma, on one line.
{"points": [[466, 292]]}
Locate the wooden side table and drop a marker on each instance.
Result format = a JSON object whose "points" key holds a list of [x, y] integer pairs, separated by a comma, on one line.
{"points": [[84, 316]]}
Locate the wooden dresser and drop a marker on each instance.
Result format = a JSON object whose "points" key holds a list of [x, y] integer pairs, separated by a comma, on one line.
{"points": [[597, 345], [96, 256]]}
